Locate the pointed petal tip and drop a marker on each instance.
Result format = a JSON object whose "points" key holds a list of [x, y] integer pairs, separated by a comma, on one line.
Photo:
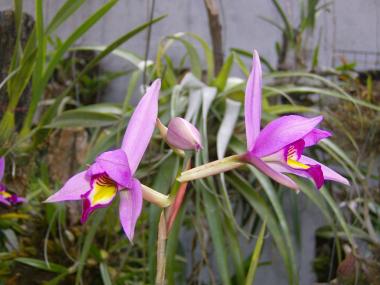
{"points": [[130, 208], [141, 126], [73, 189], [252, 102], [256, 54]]}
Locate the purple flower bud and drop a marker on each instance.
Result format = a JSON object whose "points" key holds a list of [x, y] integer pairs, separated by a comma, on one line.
{"points": [[183, 135]]}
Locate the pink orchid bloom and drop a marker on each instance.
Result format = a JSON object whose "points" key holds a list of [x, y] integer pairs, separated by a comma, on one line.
{"points": [[278, 147], [7, 198], [112, 172]]}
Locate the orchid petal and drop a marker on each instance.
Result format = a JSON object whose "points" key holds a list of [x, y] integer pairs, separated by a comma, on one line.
{"points": [[183, 135], [4, 201], [17, 199], [316, 173], [252, 104], [103, 191], [2, 167], [94, 169], [275, 175], [328, 173], [130, 208], [73, 189], [315, 136], [115, 164], [141, 126], [282, 132]]}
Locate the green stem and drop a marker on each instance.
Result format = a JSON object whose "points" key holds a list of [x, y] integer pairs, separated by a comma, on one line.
{"points": [[155, 197], [212, 168]]}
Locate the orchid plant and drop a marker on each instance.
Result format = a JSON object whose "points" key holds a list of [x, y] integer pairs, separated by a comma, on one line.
{"points": [[277, 148], [7, 198], [113, 171]]}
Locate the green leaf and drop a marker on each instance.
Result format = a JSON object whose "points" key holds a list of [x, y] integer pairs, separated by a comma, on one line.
{"points": [[221, 79], [88, 240], [256, 256], [51, 111], [338, 92], [196, 67], [166, 174], [83, 118], [132, 84], [250, 55], [214, 220], [231, 115], [64, 12], [287, 108], [105, 274], [129, 56], [175, 270], [40, 264], [335, 209], [275, 203], [57, 56], [208, 55], [288, 27], [258, 203]]}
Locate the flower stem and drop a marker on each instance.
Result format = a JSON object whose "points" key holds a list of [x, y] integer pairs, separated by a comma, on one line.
{"points": [[161, 250], [155, 197], [212, 168]]}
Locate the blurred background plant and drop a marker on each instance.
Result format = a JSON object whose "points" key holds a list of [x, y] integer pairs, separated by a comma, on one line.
{"points": [[52, 120]]}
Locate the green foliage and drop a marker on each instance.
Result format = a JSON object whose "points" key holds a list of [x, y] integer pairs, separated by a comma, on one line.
{"points": [[219, 215]]}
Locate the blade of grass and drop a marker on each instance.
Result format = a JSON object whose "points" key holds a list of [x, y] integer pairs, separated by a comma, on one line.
{"points": [[256, 256], [106, 278], [89, 238], [57, 56]]}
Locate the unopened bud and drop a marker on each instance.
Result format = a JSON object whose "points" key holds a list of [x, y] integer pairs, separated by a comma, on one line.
{"points": [[183, 135]]}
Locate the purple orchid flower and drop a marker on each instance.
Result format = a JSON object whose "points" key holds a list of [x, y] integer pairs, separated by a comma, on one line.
{"points": [[112, 172], [278, 148], [7, 198]]}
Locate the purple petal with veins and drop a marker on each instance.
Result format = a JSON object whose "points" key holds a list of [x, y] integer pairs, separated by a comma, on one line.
{"points": [[282, 132], [315, 136], [252, 104], [73, 189], [115, 164], [272, 173], [130, 208], [4, 201], [2, 167], [328, 173], [141, 126]]}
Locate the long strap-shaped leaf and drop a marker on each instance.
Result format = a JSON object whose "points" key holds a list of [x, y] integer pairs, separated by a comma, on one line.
{"points": [[57, 56], [256, 256]]}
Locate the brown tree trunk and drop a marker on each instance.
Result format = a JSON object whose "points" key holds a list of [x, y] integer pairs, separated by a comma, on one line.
{"points": [[216, 33], [8, 36]]}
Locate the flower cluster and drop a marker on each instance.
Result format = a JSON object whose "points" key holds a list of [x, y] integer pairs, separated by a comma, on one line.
{"points": [[276, 149]]}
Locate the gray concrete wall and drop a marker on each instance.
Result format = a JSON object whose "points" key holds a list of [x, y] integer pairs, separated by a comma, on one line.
{"points": [[352, 25]]}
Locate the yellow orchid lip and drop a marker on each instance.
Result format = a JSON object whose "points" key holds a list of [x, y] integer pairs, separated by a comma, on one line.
{"points": [[5, 194], [296, 164]]}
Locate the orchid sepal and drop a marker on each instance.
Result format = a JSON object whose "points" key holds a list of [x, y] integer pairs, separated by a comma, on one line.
{"points": [[212, 168]]}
